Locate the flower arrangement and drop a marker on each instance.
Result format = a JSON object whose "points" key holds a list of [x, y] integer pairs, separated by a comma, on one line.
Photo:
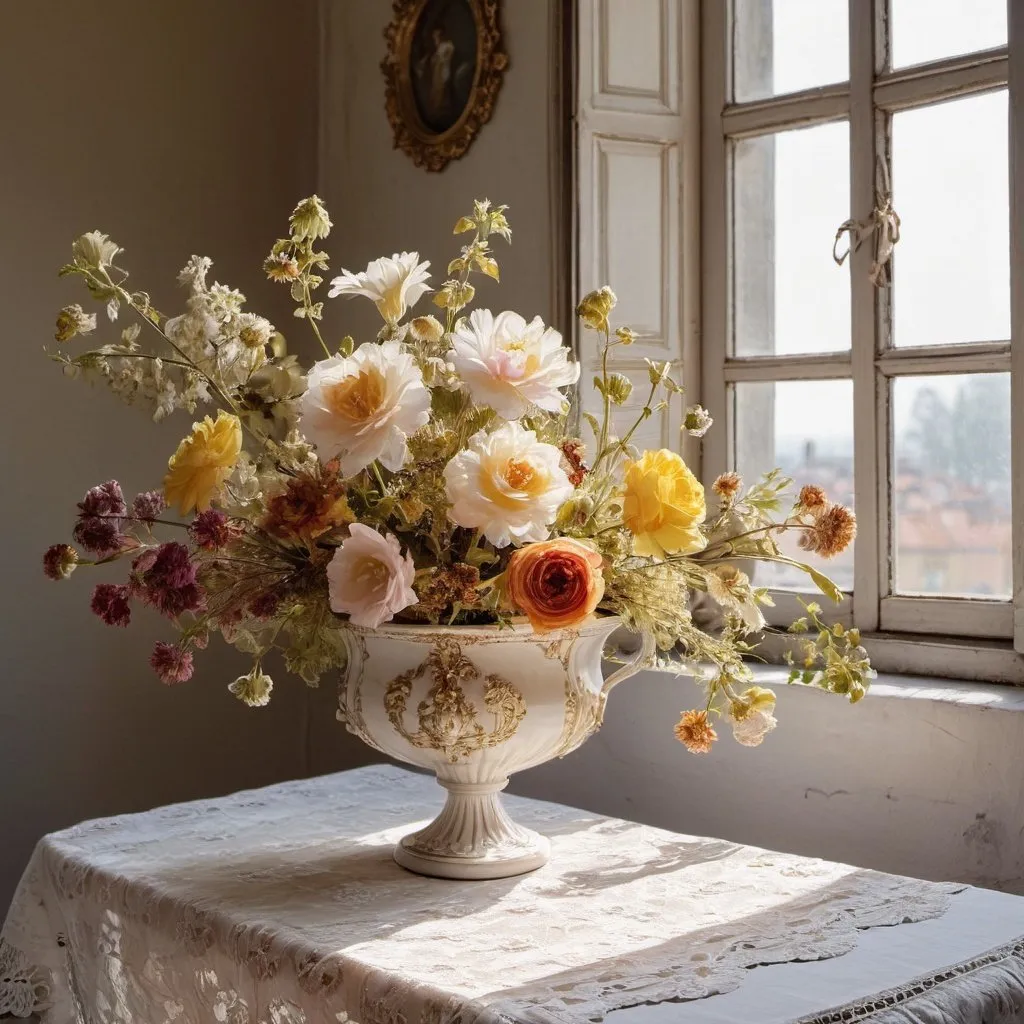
{"points": [[433, 475]]}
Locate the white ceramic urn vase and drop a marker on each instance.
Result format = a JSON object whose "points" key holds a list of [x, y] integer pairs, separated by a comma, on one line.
{"points": [[474, 704]]}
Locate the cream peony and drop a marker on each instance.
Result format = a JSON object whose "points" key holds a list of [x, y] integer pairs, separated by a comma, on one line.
{"points": [[508, 484], [369, 579], [511, 365], [393, 284], [364, 406]]}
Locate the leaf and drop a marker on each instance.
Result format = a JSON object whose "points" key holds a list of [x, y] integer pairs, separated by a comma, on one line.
{"points": [[462, 225], [595, 426]]}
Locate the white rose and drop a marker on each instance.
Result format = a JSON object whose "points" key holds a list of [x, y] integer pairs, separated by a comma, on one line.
{"points": [[394, 284], [369, 579], [511, 365], [508, 484], [364, 406]]}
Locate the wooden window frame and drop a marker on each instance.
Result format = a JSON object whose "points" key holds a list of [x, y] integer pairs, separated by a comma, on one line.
{"points": [[966, 638]]}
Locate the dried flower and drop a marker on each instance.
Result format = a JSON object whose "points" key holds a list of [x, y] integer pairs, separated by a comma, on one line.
{"points": [[100, 537], [426, 329], [556, 583], [279, 266], [73, 320], [265, 605], [104, 500], [695, 732], [449, 586], [110, 603], [148, 505], [812, 499], [626, 335], [171, 663], [751, 715], [211, 530], [454, 295], [574, 449], [697, 421], [309, 220], [168, 580], [310, 506], [59, 561], [253, 688], [727, 485], [831, 532], [594, 308], [203, 461], [254, 332], [94, 250]]}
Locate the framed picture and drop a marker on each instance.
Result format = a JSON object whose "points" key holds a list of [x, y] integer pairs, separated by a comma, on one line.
{"points": [[443, 69]]}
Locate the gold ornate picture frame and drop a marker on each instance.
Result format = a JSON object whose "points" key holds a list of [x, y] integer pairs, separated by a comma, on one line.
{"points": [[443, 69]]}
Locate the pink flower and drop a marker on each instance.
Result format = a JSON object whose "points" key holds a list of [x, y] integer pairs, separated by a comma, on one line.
{"points": [[171, 663], [59, 561], [369, 578], [148, 505], [110, 603]]}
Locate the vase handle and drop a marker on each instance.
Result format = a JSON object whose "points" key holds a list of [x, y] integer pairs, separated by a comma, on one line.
{"points": [[632, 666]]}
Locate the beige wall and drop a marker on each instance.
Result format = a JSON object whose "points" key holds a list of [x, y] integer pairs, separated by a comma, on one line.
{"points": [[382, 203], [177, 126]]}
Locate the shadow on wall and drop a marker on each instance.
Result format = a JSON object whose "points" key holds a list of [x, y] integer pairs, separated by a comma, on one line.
{"points": [[176, 128]]}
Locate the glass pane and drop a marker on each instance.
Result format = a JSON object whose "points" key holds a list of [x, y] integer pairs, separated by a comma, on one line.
{"points": [[951, 485], [790, 192], [924, 30], [951, 268], [806, 429], [788, 45]]}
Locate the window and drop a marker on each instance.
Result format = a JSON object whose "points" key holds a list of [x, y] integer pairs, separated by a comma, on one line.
{"points": [[896, 398]]}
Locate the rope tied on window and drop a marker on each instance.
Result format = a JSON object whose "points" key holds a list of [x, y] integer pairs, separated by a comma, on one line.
{"points": [[883, 224]]}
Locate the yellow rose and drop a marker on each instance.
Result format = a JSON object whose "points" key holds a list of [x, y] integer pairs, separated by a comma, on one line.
{"points": [[202, 462], [663, 505]]}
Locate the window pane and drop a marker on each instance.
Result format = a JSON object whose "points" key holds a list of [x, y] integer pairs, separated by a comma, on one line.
{"points": [[924, 30], [790, 192], [950, 188], [951, 485], [787, 46], [805, 428]]}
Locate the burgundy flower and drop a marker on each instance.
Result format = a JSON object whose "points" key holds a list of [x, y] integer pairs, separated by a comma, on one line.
{"points": [[104, 500], [211, 530], [265, 605], [59, 561], [148, 505], [99, 536], [110, 603], [168, 581], [171, 663]]}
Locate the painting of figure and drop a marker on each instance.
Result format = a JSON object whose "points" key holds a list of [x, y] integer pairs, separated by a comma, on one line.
{"points": [[443, 62]]}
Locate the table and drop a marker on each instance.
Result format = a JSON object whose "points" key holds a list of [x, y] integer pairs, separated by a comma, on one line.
{"points": [[283, 906]]}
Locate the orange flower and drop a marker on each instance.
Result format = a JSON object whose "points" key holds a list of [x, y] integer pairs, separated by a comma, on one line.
{"points": [[695, 732], [557, 583]]}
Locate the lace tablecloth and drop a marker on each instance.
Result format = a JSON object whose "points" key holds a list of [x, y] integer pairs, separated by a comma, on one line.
{"points": [[284, 906]]}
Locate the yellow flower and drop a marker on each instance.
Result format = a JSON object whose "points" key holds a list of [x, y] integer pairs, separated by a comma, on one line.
{"points": [[594, 308], [663, 505], [202, 462]]}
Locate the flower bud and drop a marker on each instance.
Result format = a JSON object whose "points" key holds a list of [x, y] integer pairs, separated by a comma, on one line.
{"points": [[594, 308]]}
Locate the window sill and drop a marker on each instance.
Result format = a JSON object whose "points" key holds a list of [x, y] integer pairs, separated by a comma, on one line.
{"points": [[889, 686]]}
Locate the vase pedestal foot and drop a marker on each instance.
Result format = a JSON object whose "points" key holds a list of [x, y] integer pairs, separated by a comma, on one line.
{"points": [[473, 838]]}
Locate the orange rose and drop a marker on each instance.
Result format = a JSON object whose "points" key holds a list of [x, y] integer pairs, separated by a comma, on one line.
{"points": [[557, 583]]}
